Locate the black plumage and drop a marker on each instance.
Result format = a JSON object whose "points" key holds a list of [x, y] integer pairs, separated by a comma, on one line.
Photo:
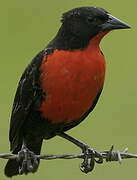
{"points": [[27, 127]]}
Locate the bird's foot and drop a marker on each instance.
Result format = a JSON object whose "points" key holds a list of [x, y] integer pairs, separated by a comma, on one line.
{"points": [[89, 159], [28, 161]]}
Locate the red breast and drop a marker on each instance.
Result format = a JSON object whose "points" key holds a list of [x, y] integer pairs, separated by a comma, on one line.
{"points": [[71, 81]]}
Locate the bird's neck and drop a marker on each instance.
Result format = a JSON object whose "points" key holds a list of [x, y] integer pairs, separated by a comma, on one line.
{"points": [[64, 40], [95, 41]]}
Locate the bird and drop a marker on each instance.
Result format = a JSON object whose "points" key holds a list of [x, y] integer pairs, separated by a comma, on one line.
{"points": [[60, 87]]}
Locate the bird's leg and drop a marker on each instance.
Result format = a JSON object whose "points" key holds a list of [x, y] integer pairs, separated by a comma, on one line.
{"points": [[27, 160], [89, 154]]}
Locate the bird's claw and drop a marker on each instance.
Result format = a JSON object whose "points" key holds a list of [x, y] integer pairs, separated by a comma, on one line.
{"points": [[27, 160], [89, 160]]}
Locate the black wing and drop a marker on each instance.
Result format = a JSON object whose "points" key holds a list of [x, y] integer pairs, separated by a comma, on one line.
{"points": [[28, 93]]}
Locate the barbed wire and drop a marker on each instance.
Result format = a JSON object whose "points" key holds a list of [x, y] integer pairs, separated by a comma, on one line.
{"points": [[110, 155]]}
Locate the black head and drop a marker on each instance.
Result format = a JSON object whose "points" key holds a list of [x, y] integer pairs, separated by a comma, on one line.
{"points": [[80, 25]]}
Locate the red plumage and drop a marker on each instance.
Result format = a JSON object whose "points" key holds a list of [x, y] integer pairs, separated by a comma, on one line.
{"points": [[59, 88], [71, 81]]}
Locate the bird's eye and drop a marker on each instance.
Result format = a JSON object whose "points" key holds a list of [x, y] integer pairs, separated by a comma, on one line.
{"points": [[97, 19], [90, 19]]}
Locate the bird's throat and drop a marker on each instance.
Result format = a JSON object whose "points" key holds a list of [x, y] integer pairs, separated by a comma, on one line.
{"points": [[95, 41]]}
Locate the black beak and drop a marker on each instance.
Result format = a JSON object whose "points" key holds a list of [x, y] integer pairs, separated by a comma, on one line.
{"points": [[114, 23]]}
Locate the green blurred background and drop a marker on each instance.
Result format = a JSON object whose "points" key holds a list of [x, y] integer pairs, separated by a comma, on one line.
{"points": [[25, 28]]}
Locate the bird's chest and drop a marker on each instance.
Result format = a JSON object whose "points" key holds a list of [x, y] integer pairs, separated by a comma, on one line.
{"points": [[71, 82]]}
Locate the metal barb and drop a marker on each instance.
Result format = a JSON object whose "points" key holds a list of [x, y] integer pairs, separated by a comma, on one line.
{"points": [[109, 156]]}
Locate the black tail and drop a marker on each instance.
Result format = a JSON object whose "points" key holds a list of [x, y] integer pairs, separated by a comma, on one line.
{"points": [[12, 166]]}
